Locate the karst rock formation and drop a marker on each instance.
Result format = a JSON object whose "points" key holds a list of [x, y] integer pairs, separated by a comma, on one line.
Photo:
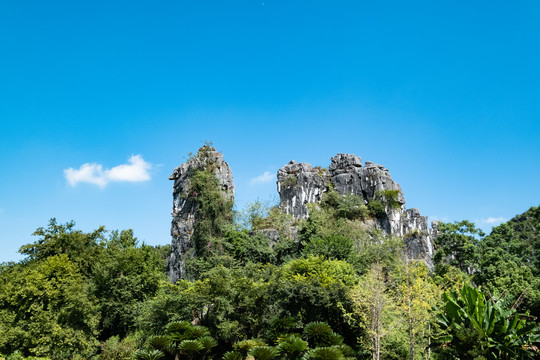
{"points": [[184, 212], [298, 185]]}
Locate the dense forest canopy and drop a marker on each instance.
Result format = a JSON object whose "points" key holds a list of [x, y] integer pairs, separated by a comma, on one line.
{"points": [[336, 290]]}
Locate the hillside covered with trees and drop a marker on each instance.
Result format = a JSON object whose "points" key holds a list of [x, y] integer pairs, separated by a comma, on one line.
{"points": [[333, 290]]}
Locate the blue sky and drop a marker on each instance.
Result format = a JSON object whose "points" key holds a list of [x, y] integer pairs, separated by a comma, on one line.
{"points": [[444, 94]]}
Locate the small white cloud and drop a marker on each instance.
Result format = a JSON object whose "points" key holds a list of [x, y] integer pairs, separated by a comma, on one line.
{"points": [[493, 220], [136, 170], [261, 179], [90, 173]]}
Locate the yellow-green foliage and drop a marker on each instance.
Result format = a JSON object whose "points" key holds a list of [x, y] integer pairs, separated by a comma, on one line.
{"points": [[47, 310], [325, 271]]}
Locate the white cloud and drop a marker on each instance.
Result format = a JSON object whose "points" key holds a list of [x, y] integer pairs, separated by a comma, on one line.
{"points": [[444, 218], [493, 220], [261, 179], [135, 171]]}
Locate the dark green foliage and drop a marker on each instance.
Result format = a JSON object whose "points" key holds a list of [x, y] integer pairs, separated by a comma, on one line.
{"points": [[323, 343], [280, 326], [184, 340], [232, 355], [56, 239], [248, 247], [228, 302], [74, 286], [263, 352], [390, 198], [315, 289], [334, 247], [213, 213], [320, 334], [325, 353], [81, 295], [510, 259], [123, 277], [376, 209], [457, 245], [148, 354], [167, 305], [292, 347], [474, 326], [349, 206]]}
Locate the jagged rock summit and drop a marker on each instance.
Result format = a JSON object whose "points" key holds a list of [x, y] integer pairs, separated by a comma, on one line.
{"points": [[184, 208], [298, 185]]}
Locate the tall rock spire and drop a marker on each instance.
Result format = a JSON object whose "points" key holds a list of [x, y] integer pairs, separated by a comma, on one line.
{"points": [[184, 210]]}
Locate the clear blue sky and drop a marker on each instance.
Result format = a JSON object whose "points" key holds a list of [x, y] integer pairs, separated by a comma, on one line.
{"points": [[443, 93]]}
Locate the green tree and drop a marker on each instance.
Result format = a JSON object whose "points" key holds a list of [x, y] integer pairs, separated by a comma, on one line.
{"points": [[510, 259], [315, 289], [373, 305], [334, 247], [123, 277], [415, 295], [56, 239], [457, 245], [46, 309]]}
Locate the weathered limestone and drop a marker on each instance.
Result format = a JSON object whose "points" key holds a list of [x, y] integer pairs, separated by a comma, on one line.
{"points": [[299, 184], [184, 208]]}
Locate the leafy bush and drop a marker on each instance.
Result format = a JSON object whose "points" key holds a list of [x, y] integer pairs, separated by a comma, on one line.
{"points": [[348, 206], [376, 209], [247, 247], [116, 349], [263, 352], [474, 326], [276, 219], [333, 247], [351, 207], [290, 181], [390, 198]]}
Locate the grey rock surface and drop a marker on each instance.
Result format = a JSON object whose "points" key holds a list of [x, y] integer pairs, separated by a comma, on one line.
{"points": [[300, 184], [184, 208], [417, 236]]}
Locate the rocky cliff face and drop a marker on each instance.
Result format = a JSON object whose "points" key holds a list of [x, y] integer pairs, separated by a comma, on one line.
{"points": [[300, 184], [184, 210]]}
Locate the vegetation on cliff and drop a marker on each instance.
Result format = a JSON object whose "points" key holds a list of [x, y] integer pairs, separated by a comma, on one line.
{"points": [[328, 289]]}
